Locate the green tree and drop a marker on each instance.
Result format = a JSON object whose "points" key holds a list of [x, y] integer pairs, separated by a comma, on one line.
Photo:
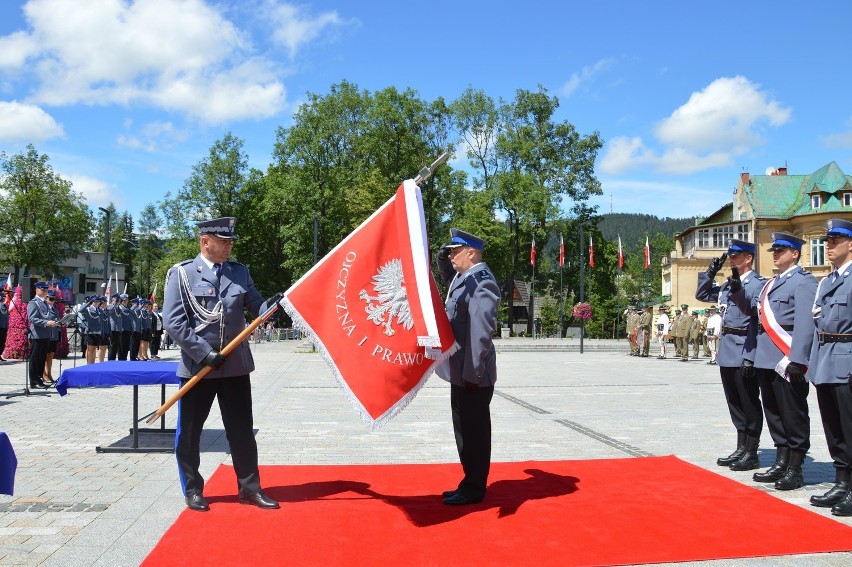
{"points": [[540, 163], [44, 220]]}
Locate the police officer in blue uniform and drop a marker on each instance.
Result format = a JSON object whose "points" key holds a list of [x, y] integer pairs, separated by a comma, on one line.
{"points": [[784, 309], [115, 326], [126, 327], [106, 329], [736, 348], [42, 320], [831, 363], [91, 316], [204, 301], [471, 305]]}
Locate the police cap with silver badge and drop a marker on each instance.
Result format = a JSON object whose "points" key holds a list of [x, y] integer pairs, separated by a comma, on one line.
{"points": [[222, 227], [461, 238], [781, 240], [41, 285], [737, 246], [838, 227]]}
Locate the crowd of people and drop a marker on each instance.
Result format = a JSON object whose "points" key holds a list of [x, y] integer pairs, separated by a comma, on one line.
{"points": [[117, 328], [772, 338], [697, 330]]}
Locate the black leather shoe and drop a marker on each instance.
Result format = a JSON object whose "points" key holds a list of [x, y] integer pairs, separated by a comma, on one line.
{"points": [[197, 502], [260, 500], [448, 493], [844, 507], [39, 386], [459, 499], [832, 497]]}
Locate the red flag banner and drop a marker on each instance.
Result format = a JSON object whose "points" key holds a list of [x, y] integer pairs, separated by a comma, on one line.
{"points": [[647, 254], [620, 254], [561, 251], [373, 310], [591, 253], [533, 252]]}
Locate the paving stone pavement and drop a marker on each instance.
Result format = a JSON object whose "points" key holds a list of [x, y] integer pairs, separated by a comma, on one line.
{"points": [[75, 507]]}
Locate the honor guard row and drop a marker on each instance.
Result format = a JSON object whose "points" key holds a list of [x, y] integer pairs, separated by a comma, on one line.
{"points": [[776, 336]]}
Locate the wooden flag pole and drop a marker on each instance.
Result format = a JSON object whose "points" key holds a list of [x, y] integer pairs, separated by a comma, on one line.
{"points": [[206, 370]]}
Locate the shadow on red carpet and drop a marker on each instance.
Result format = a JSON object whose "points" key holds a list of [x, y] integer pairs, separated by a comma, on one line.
{"points": [[598, 512]]}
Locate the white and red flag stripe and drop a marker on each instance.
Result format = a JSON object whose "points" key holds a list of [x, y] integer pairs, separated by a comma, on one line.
{"points": [[591, 253], [620, 254], [373, 310], [647, 254]]}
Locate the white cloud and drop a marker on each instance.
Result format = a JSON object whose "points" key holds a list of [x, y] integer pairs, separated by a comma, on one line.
{"points": [[724, 120], [96, 192], [586, 75], [20, 122], [15, 48], [178, 55], [293, 27], [670, 199], [624, 154], [153, 136], [727, 115]]}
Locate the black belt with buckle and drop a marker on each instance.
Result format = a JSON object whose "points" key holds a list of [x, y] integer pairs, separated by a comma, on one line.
{"points": [[787, 328], [835, 338], [734, 331]]}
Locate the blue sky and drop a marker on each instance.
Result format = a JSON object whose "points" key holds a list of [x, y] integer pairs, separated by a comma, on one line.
{"points": [[126, 96]]}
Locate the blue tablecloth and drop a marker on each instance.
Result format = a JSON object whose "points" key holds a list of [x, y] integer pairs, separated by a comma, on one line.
{"points": [[118, 373], [8, 464]]}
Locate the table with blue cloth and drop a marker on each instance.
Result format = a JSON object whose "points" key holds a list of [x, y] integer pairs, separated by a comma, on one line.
{"points": [[125, 373], [8, 464]]}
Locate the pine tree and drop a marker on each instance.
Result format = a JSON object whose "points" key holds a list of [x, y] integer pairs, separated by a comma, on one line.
{"points": [[17, 345]]}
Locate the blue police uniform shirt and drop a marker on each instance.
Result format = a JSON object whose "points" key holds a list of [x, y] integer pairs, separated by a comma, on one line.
{"points": [[235, 289], [736, 313], [831, 363], [471, 305], [791, 299]]}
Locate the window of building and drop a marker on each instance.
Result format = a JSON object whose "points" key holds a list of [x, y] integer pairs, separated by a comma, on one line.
{"points": [[817, 252], [91, 287], [704, 238], [743, 231], [847, 199], [721, 235], [816, 201]]}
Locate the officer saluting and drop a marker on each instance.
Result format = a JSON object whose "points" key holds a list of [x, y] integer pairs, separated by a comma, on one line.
{"points": [[736, 349], [831, 363], [203, 307], [784, 338]]}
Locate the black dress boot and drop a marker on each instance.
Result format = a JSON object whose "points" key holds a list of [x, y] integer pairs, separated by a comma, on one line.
{"points": [[749, 459], [793, 477], [778, 468], [730, 459], [844, 507], [835, 493]]}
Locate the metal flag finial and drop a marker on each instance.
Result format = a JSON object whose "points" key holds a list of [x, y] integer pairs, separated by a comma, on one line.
{"points": [[427, 172]]}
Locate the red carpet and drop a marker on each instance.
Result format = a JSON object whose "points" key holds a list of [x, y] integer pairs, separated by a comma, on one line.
{"points": [[600, 512]]}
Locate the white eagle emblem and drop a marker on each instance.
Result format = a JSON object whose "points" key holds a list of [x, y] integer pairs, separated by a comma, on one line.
{"points": [[391, 296]]}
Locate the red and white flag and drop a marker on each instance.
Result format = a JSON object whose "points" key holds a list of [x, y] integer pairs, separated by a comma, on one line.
{"points": [[373, 310], [591, 253], [8, 287], [153, 296], [647, 254], [620, 254], [561, 251], [533, 252], [108, 290]]}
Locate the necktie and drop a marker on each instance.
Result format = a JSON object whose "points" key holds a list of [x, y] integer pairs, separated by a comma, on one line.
{"points": [[834, 276], [217, 270]]}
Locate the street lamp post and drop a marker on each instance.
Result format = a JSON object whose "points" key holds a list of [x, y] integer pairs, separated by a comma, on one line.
{"points": [[106, 246]]}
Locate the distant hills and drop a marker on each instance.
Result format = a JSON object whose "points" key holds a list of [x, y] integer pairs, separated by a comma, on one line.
{"points": [[633, 227]]}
